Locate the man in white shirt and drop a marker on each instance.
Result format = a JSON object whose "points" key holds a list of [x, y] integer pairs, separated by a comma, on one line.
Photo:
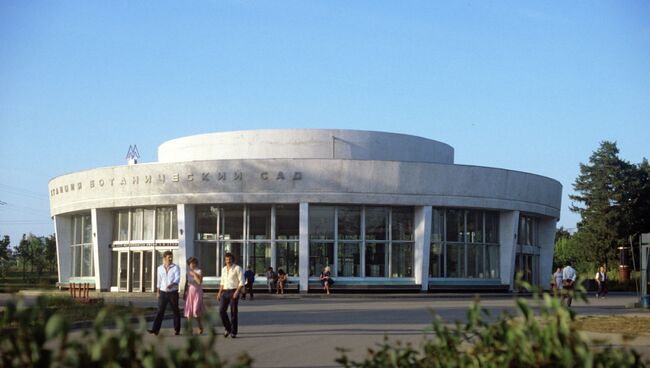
{"points": [[169, 276], [568, 281], [228, 295]]}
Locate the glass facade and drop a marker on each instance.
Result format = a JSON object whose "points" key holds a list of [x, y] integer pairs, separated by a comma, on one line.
{"points": [[81, 247], [360, 241], [261, 236], [138, 235], [528, 249], [464, 244]]}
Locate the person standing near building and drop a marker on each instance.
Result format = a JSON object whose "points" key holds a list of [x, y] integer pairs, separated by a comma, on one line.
{"points": [[568, 284], [169, 276], [228, 295], [194, 294], [601, 280], [557, 282], [249, 280], [271, 278]]}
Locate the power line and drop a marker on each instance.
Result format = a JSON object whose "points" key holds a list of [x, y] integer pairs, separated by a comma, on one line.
{"points": [[20, 191]]}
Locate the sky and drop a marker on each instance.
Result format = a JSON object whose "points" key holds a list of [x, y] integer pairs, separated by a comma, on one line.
{"points": [[527, 86]]}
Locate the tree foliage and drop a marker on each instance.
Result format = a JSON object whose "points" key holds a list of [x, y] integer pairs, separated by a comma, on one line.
{"points": [[613, 200]]}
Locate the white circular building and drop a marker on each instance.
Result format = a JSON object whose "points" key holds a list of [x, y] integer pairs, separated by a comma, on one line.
{"points": [[384, 211]]}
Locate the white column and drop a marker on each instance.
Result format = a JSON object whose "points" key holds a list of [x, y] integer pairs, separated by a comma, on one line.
{"points": [[508, 224], [547, 228], [303, 248], [63, 233], [102, 224], [186, 220], [422, 246]]}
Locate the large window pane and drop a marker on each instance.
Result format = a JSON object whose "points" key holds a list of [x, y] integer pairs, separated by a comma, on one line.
{"points": [[287, 222], [474, 260], [287, 257], [474, 227], [87, 262], [492, 261], [259, 257], [349, 260], [174, 219], [147, 227], [206, 252], [87, 229], [121, 232], [321, 223], [76, 261], [455, 225], [232, 223], [320, 255], [455, 262], [402, 223], [491, 227], [136, 224], [206, 222], [259, 222], [437, 225], [349, 223], [376, 260], [402, 260], [435, 264], [163, 217], [376, 223]]}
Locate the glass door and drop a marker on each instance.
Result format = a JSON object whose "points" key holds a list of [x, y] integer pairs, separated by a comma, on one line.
{"points": [[147, 270], [136, 268], [123, 270]]}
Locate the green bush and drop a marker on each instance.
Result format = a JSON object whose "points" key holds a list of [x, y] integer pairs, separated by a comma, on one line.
{"points": [[37, 337], [548, 339]]}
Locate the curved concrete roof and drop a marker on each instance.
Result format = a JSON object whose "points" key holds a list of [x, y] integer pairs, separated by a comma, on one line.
{"points": [[339, 144]]}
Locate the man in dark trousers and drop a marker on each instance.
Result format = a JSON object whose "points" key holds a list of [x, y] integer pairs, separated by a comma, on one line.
{"points": [[169, 276], [228, 295]]}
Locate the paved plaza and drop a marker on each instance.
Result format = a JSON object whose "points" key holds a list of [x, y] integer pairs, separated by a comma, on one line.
{"points": [[305, 330]]}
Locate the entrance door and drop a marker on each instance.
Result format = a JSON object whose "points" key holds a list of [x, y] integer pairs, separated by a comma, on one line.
{"points": [[147, 270], [136, 274]]}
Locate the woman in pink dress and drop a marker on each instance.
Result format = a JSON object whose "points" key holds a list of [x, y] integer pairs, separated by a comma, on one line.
{"points": [[194, 293]]}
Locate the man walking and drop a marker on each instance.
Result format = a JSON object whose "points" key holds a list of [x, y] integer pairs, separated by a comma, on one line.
{"points": [[228, 295], [169, 276], [568, 284]]}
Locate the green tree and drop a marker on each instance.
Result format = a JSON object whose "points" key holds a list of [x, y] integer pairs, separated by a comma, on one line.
{"points": [[37, 250], [605, 188], [50, 253], [23, 254], [5, 254]]}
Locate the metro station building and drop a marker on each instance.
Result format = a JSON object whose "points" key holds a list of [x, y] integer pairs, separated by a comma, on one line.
{"points": [[382, 210]]}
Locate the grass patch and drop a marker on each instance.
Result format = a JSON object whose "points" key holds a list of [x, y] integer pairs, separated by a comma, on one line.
{"points": [[626, 325]]}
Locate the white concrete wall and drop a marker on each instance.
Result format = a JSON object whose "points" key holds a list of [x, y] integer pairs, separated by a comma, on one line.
{"points": [[547, 228], [421, 252], [310, 181], [102, 224], [63, 232], [508, 224], [303, 247], [305, 143]]}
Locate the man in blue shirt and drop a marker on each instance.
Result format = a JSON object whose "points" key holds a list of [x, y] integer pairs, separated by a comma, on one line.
{"points": [[249, 279], [568, 283], [169, 276]]}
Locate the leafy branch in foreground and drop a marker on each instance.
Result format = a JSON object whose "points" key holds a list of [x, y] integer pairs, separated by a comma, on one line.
{"points": [[36, 336], [549, 339]]}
